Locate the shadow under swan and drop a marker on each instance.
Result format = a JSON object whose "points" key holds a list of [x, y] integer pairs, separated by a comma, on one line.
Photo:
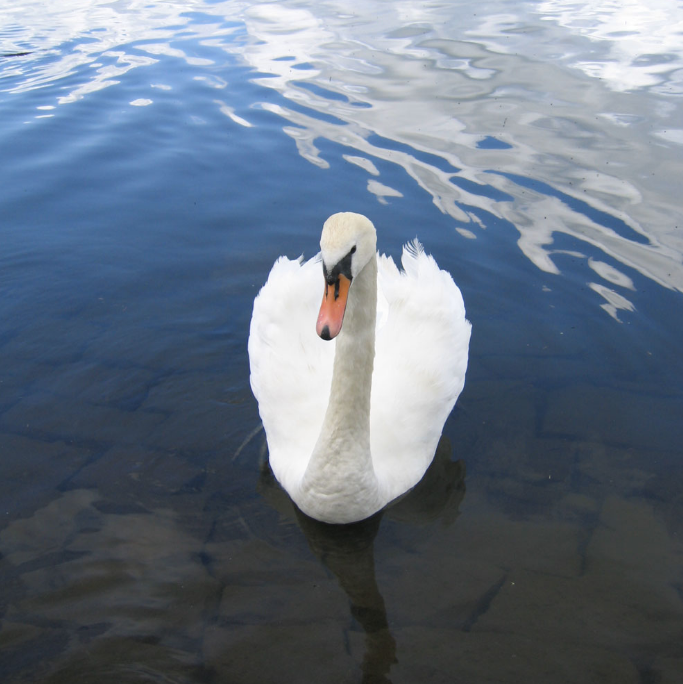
{"points": [[347, 551]]}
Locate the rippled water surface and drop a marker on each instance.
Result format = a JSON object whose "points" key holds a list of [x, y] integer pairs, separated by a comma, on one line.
{"points": [[157, 157]]}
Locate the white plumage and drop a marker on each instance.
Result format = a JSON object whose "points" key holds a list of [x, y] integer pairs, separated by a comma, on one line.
{"points": [[338, 463]]}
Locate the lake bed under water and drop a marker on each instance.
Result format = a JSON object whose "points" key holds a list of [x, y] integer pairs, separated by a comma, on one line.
{"points": [[158, 158]]}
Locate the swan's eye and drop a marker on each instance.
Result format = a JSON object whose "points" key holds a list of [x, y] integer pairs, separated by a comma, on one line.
{"points": [[353, 250]]}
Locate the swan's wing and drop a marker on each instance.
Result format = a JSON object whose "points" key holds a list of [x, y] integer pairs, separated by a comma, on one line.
{"points": [[291, 367], [420, 362]]}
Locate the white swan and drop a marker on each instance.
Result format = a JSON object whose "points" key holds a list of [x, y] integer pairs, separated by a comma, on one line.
{"points": [[353, 423]]}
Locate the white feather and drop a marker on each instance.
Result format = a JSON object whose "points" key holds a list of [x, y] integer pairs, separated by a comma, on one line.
{"points": [[421, 351]]}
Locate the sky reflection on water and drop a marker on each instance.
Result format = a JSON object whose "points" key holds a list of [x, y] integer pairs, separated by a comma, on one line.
{"points": [[162, 155], [425, 87]]}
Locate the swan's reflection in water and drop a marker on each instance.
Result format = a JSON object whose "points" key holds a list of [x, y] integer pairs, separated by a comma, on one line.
{"points": [[347, 551]]}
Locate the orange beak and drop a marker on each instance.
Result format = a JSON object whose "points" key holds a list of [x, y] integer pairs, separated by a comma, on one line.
{"points": [[332, 309]]}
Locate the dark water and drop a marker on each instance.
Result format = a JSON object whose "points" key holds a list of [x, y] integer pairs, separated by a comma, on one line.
{"points": [[157, 158]]}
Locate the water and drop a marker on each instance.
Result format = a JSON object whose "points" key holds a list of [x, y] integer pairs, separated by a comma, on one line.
{"points": [[157, 158]]}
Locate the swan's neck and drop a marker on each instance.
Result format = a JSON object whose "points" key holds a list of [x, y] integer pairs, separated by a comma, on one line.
{"points": [[342, 453]]}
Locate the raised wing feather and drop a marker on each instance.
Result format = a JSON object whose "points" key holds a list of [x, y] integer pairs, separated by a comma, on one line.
{"points": [[420, 362]]}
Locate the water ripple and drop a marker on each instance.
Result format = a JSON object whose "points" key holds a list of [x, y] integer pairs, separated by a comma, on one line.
{"points": [[444, 86], [538, 132]]}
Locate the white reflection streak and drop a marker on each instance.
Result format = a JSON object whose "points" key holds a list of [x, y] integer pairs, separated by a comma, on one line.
{"points": [[230, 113], [374, 58], [98, 30], [279, 31], [644, 36], [107, 75], [168, 51], [615, 301], [410, 65], [431, 179], [611, 274], [382, 191], [362, 162], [544, 216]]}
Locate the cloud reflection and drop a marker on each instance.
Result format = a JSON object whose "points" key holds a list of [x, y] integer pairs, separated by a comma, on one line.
{"points": [[110, 39], [644, 38], [437, 97], [473, 105]]}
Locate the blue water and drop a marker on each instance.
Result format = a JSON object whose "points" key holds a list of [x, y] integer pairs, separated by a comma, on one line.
{"points": [[156, 160]]}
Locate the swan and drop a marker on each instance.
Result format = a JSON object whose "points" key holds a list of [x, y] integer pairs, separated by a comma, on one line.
{"points": [[353, 402]]}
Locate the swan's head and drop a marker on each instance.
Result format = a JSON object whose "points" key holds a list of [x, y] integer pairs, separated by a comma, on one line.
{"points": [[347, 244]]}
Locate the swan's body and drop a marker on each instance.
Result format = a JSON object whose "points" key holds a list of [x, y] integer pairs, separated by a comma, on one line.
{"points": [[353, 423]]}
